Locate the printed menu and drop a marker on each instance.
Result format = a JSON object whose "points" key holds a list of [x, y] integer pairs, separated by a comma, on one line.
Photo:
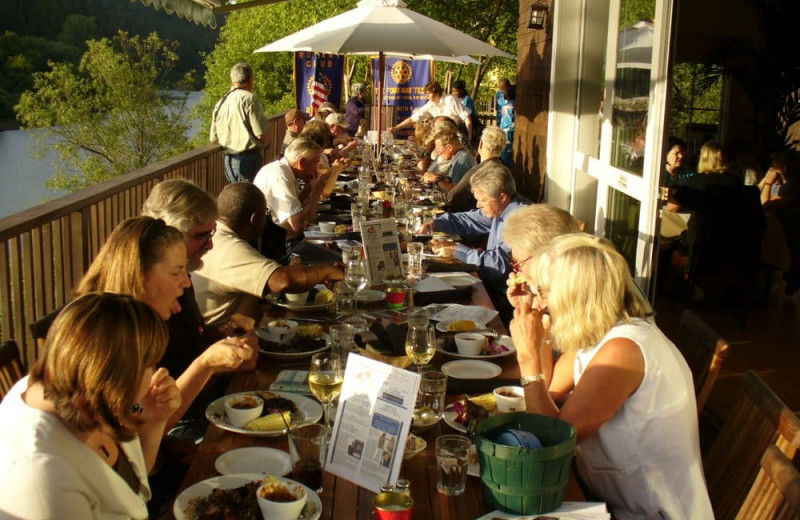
{"points": [[382, 250], [372, 422]]}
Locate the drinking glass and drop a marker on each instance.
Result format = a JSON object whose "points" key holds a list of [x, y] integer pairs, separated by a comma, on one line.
{"points": [[355, 275], [307, 448], [430, 399], [420, 345], [342, 339], [325, 379], [452, 459], [414, 250]]}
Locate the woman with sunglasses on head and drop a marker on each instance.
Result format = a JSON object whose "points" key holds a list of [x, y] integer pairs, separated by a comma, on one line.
{"points": [[83, 429], [618, 380]]}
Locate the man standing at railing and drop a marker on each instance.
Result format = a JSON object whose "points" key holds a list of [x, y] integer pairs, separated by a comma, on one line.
{"points": [[240, 126]]}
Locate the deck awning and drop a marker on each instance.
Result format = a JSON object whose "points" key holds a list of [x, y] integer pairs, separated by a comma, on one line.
{"points": [[205, 11]]}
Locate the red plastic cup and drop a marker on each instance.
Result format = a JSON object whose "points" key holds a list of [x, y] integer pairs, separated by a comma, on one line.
{"points": [[393, 506]]}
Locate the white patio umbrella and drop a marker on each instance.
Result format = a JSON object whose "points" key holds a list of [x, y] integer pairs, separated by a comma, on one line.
{"points": [[383, 27]]}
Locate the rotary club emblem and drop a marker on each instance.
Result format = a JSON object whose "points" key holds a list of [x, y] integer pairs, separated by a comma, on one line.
{"points": [[402, 72], [322, 79]]}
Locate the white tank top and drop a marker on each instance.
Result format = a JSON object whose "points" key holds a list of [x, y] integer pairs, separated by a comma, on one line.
{"points": [[645, 461]]}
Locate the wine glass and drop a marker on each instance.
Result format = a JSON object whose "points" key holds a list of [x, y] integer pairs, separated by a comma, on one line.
{"points": [[421, 345], [355, 275], [325, 379]]}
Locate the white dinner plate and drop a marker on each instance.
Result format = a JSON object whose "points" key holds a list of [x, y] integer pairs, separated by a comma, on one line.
{"points": [[449, 417], [471, 369], [444, 326], [309, 409], [457, 280], [274, 299], [205, 487], [255, 459], [371, 295], [503, 340]]}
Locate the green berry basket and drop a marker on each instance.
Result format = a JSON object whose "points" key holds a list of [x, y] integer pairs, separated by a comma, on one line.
{"points": [[522, 480]]}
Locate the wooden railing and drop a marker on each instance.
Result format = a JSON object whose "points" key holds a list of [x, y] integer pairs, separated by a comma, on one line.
{"points": [[44, 251]]}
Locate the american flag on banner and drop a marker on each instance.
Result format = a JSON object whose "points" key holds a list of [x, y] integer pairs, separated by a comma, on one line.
{"points": [[319, 95]]}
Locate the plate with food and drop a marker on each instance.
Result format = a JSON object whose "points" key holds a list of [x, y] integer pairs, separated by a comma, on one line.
{"points": [[307, 339], [278, 407], [495, 347], [235, 497], [457, 326], [317, 299], [471, 369], [254, 459], [463, 413]]}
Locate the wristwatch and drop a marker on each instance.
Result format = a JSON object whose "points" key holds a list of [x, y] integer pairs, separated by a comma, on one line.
{"points": [[526, 380]]}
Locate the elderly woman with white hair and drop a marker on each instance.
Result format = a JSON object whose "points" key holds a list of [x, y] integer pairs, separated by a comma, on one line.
{"points": [[619, 381], [356, 108]]}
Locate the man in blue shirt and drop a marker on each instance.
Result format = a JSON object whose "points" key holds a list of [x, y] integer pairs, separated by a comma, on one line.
{"points": [[497, 198], [455, 155], [500, 98]]}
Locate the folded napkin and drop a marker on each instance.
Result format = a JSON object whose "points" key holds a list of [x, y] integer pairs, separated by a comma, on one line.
{"points": [[477, 386], [389, 340]]}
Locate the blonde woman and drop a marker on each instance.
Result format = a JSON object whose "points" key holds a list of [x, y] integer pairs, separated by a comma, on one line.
{"points": [[88, 421], [619, 381]]}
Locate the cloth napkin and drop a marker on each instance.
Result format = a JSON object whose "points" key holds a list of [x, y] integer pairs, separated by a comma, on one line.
{"points": [[390, 340]]}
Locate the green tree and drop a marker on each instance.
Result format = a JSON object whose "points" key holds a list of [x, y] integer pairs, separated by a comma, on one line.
{"points": [[78, 29], [113, 113]]}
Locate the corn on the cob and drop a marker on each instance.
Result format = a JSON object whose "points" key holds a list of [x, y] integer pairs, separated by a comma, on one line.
{"points": [[486, 401], [271, 422]]}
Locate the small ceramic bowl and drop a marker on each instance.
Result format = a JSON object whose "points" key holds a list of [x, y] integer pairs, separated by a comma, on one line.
{"points": [[414, 446], [470, 343], [327, 227], [301, 297], [242, 409], [281, 331], [509, 399], [275, 499]]}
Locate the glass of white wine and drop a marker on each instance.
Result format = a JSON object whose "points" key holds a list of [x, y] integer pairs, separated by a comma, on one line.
{"points": [[421, 345], [325, 379]]}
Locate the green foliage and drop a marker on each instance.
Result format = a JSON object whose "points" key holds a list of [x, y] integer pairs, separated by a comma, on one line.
{"points": [[78, 29], [493, 21], [113, 113]]}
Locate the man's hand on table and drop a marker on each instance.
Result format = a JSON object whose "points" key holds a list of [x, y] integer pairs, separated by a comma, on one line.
{"points": [[444, 248], [430, 178], [230, 354], [426, 228]]}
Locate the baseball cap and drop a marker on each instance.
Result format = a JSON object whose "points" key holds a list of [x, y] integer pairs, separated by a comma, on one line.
{"points": [[337, 119], [293, 114]]}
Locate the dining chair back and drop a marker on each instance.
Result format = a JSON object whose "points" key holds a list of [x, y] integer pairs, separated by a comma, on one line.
{"points": [[775, 494], [759, 419], [11, 369], [704, 350]]}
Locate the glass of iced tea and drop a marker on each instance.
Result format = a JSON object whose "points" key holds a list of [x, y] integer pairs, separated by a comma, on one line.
{"points": [[308, 444]]}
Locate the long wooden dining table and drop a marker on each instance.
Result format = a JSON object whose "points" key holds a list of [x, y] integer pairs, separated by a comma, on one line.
{"points": [[345, 500]]}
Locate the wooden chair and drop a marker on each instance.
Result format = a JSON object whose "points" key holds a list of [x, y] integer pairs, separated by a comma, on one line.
{"points": [[11, 369], [704, 351], [758, 420], [775, 494]]}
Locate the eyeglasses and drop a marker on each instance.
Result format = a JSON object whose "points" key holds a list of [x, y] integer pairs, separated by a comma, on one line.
{"points": [[204, 237], [516, 266]]}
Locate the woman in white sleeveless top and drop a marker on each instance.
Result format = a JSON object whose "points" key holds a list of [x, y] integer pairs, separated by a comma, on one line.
{"points": [[619, 381]]}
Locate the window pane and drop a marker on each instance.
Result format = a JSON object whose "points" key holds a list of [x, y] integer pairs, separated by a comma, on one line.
{"points": [[622, 224], [632, 85]]}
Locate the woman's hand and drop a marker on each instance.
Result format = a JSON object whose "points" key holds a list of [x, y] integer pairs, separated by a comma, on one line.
{"points": [[162, 398], [528, 334], [518, 293], [228, 354]]}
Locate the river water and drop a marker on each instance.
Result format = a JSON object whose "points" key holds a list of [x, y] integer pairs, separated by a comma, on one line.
{"points": [[22, 176]]}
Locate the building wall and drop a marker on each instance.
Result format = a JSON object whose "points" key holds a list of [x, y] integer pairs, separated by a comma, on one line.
{"points": [[533, 88]]}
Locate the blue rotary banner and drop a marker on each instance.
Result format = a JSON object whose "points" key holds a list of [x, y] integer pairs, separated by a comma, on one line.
{"points": [[405, 82], [317, 78]]}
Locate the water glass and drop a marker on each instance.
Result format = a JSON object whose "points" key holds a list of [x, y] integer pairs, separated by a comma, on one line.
{"points": [[452, 459], [350, 253], [414, 250], [430, 399], [308, 444], [345, 299], [342, 339]]}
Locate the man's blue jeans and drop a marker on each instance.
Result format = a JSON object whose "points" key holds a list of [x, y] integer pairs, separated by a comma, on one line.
{"points": [[243, 166]]}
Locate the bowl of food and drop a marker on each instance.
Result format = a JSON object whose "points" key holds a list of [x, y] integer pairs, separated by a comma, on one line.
{"points": [[327, 227], [470, 343], [510, 399], [414, 446], [281, 331], [242, 409], [301, 297], [281, 499]]}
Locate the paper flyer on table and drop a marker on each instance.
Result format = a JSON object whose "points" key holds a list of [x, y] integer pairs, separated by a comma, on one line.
{"points": [[382, 250], [567, 511], [372, 422]]}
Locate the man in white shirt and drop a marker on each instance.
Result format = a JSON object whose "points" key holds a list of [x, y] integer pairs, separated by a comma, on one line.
{"points": [[438, 105], [290, 208]]}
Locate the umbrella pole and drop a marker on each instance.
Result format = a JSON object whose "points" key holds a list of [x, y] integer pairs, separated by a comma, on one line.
{"points": [[381, 65]]}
